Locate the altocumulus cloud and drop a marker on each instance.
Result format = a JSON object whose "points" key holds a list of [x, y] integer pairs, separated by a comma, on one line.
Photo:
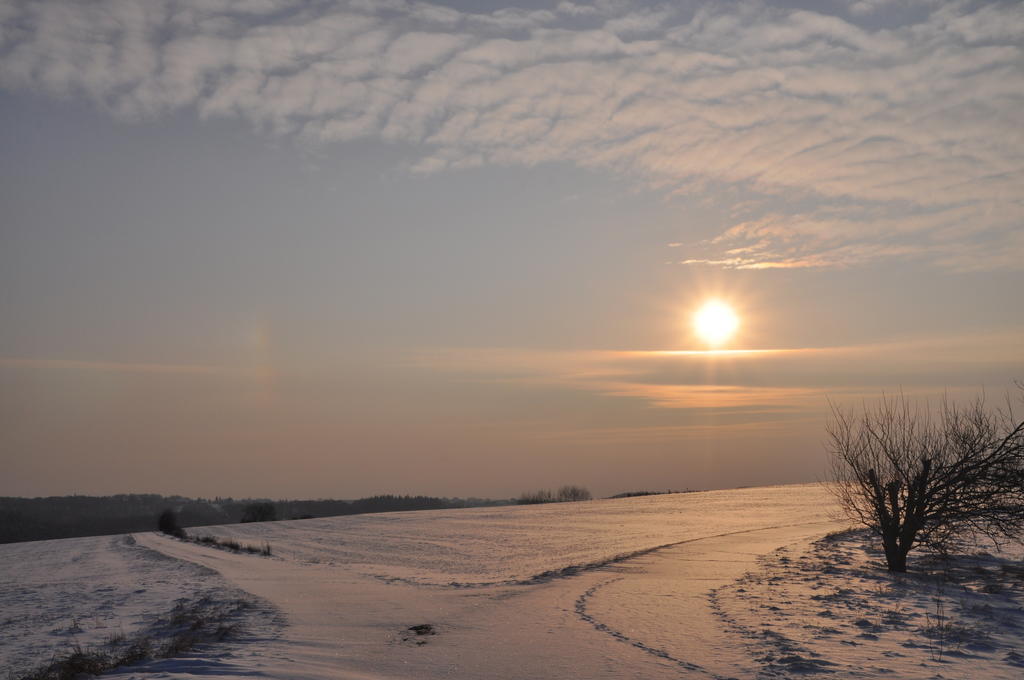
{"points": [[886, 129]]}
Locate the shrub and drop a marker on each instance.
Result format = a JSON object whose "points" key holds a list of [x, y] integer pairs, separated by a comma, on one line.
{"points": [[167, 523]]}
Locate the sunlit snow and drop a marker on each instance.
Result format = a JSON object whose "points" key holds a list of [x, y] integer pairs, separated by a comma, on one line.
{"points": [[718, 584]]}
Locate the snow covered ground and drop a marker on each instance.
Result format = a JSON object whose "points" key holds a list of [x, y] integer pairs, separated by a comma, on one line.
{"points": [[58, 594], [705, 585], [833, 608]]}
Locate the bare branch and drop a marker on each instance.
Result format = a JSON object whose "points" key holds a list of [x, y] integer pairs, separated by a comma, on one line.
{"points": [[919, 478]]}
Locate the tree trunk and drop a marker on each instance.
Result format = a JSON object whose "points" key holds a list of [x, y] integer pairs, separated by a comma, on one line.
{"points": [[895, 556]]}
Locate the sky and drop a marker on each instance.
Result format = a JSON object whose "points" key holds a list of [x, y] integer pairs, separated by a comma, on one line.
{"points": [[289, 249]]}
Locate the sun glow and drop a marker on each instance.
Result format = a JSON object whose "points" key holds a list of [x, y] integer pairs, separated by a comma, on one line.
{"points": [[715, 322]]}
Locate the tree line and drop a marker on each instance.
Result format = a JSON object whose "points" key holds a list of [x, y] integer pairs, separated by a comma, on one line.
{"points": [[567, 493], [34, 519]]}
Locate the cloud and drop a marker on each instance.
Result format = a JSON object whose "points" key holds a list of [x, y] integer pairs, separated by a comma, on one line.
{"points": [[748, 386], [911, 125], [960, 237]]}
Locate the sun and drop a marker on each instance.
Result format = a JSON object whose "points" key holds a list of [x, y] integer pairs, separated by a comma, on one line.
{"points": [[715, 322]]}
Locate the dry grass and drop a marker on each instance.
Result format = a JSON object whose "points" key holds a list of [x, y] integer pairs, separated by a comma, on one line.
{"points": [[233, 546], [187, 625]]}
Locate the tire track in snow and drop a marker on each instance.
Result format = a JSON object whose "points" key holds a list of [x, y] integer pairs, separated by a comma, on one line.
{"points": [[574, 569], [584, 615], [581, 611]]}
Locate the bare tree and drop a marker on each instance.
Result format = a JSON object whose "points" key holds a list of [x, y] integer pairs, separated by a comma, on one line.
{"points": [[571, 492], [915, 477], [565, 493], [535, 497]]}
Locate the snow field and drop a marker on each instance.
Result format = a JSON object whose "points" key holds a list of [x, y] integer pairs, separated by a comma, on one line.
{"points": [[100, 592], [832, 607], [486, 546], [730, 584]]}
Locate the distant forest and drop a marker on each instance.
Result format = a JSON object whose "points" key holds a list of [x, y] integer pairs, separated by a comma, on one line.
{"points": [[35, 519]]}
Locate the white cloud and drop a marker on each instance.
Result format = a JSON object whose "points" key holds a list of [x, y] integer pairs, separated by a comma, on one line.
{"points": [[912, 128]]}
